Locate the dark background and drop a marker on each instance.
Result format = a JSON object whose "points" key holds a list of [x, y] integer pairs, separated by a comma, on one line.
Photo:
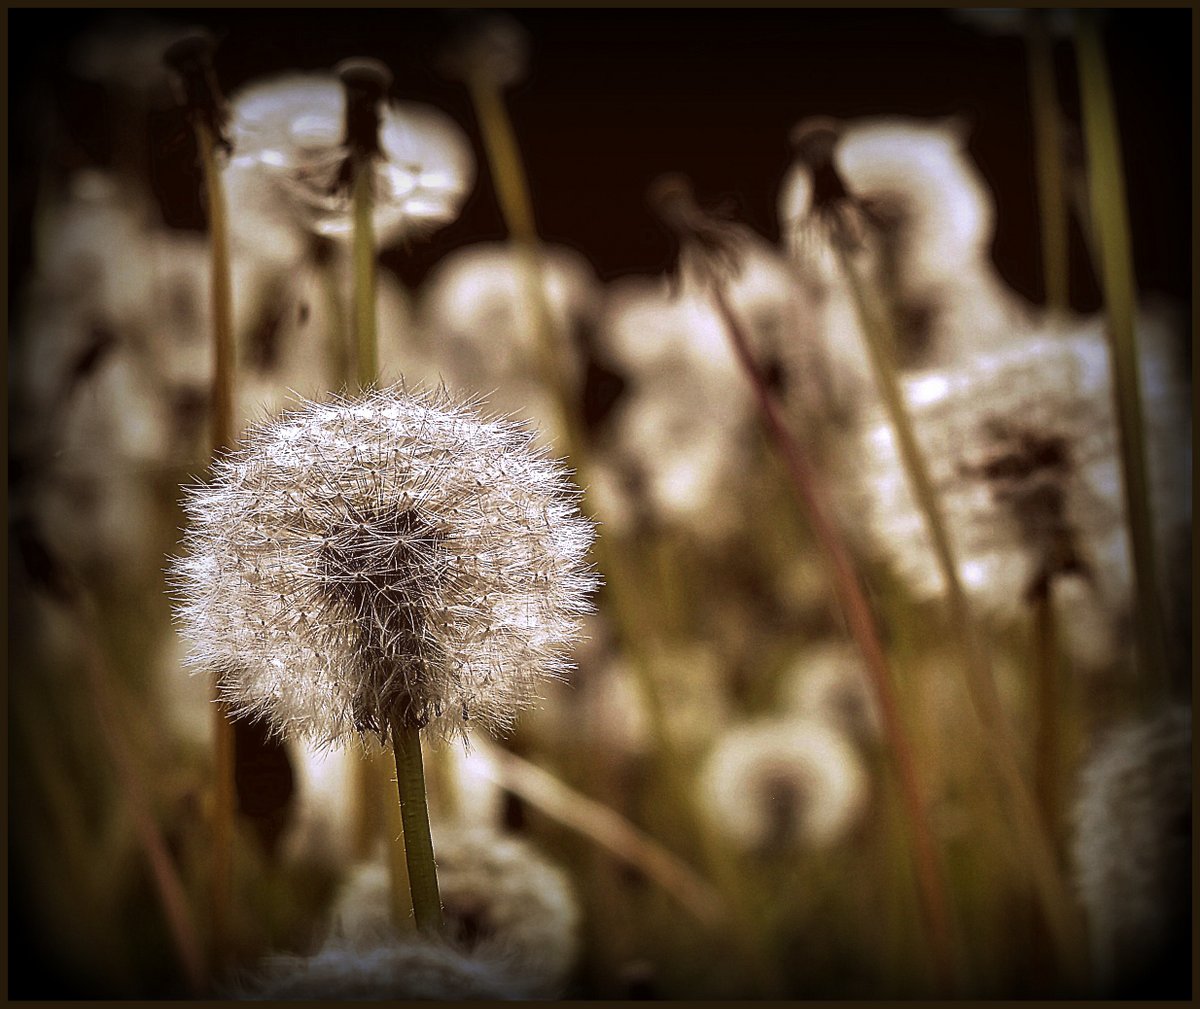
{"points": [[615, 97]]}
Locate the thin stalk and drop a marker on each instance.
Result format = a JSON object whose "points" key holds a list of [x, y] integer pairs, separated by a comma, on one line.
{"points": [[607, 828], [861, 622], [414, 815], [1047, 876], [1106, 183], [611, 555], [1048, 154], [1047, 756], [223, 433], [365, 332], [397, 859], [167, 883]]}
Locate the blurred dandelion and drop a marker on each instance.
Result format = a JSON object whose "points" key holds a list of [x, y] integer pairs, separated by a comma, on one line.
{"points": [[388, 969], [827, 683], [288, 137], [501, 898], [1133, 855], [778, 783], [1022, 449]]}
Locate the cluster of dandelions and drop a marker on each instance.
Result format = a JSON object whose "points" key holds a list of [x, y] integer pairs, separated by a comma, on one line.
{"points": [[395, 558]]}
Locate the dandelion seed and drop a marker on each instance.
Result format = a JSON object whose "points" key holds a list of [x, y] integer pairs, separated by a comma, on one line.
{"points": [[784, 782], [502, 900], [1133, 853], [393, 557]]}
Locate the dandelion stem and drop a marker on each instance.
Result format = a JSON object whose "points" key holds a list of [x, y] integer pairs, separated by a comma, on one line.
{"points": [[414, 815], [396, 849], [1047, 876], [1049, 702], [1048, 152], [861, 622], [365, 333], [612, 556], [1110, 215], [223, 434]]}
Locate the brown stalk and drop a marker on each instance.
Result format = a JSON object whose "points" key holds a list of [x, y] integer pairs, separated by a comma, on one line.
{"points": [[861, 622]]}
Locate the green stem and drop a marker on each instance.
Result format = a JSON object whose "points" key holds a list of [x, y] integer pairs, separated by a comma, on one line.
{"points": [[365, 333], [414, 815], [1048, 152], [1051, 888], [1106, 184]]}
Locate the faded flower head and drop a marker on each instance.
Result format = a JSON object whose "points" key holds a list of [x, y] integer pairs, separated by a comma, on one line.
{"points": [[1022, 450], [412, 968], [289, 151], [777, 783], [501, 900], [1133, 852], [492, 48], [827, 683], [391, 557]]}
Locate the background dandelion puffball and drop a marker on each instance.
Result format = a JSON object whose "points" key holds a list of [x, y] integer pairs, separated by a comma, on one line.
{"points": [[391, 556]]}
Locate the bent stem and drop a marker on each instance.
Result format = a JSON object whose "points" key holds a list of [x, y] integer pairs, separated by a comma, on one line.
{"points": [[1048, 154], [861, 622], [221, 293], [414, 816], [1047, 876], [1110, 215]]}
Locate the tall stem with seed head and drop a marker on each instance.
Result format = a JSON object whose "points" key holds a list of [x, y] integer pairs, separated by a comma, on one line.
{"points": [[861, 622], [1056, 900], [414, 813], [512, 191], [1048, 152], [1110, 216], [191, 57]]}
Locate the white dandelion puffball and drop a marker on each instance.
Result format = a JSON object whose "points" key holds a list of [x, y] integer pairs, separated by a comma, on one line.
{"points": [[413, 968], [784, 782], [1132, 851], [827, 683], [288, 135], [390, 558], [501, 900], [1022, 450]]}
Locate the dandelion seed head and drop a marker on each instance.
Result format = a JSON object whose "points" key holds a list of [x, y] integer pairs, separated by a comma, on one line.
{"points": [[1132, 852], [501, 900], [288, 155], [395, 556], [1021, 447], [784, 782], [413, 968], [827, 683], [493, 48]]}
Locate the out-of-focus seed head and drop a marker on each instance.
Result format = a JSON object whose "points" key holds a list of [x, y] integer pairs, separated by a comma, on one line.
{"points": [[289, 155], [391, 557], [828, 684], [501, 900], [778, 783], [413, 968], [1133, 853], [493, 49], [1022, 450]]}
